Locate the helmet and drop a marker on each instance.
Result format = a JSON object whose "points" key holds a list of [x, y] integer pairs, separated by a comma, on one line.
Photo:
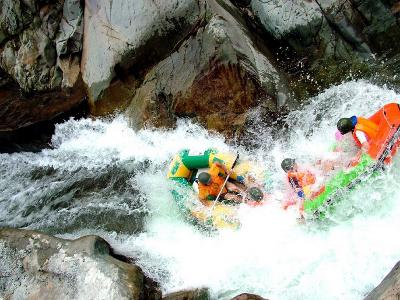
{"points": [[345, 125], [204, 178], [255, 193], [287, 164]]}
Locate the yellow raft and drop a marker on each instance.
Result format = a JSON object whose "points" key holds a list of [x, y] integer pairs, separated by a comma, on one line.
{"points": [[183, 170]]}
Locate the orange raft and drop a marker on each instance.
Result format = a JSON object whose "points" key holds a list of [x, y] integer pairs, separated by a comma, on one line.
{"points": [[383, 145]]}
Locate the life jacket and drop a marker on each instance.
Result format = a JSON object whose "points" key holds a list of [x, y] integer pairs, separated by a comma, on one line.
{"points": [[379, 128], [208, 193], [368, 127], [300, 179]]}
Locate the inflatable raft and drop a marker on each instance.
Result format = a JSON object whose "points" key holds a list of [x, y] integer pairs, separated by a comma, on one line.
{"points": [[183, 171], [381, 148]]}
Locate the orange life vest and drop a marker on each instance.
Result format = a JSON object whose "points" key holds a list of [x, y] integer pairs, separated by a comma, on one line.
{"points": [[210, 192], [379, 128], [369, 128], [302, 178]]}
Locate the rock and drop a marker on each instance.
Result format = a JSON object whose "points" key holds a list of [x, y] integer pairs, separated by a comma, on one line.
{"points": [[34, 264], [40, 51], [320, 43], [51, 32], [29, 56], [30, 61], [343, 29], [197, 294], [70, 36], [196, 59], [283, 18], [36, 137], [216, 75], [14, 17], [131, 34], [246, 296], [209, 60], [241, 3], [389, 288], [18, 110], [69, 42], [310, 27]]}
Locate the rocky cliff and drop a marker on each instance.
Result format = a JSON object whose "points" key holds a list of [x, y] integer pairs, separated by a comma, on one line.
{"points": [[209, 60]]}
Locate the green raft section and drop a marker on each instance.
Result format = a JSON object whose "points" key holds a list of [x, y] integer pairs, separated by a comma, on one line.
{"points": [[340, 182]]}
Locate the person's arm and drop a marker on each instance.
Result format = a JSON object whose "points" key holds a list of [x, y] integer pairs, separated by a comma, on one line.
{"points": [[223, 167], [296, 187]]}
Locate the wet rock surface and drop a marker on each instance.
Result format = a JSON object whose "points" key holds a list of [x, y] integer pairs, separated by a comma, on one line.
{"points": [[389, 288], [40, 48], [327, 41], [35, 265], [211, 61], [123, 34], [197, 294], [216, 75], [246, 296], [38, 266], [35, 137]]}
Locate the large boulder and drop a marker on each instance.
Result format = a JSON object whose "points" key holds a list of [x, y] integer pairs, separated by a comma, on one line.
{"points": [[209, 60], [389, 288], [120, 34], [330, 40], [314, 32], [30, 56], [331, 28], [246, 296], [40, 48], [211, 68], [196, 294], [37, 266]]}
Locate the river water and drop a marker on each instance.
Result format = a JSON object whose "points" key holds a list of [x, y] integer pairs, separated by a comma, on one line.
{"points": [[101, 177]]}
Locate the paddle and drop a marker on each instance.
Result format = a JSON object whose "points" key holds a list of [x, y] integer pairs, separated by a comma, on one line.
{"points": [[226, 180]]}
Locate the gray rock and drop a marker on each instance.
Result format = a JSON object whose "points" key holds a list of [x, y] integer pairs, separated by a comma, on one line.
{"points": [[217, 74], [197, 294], [13, 18], [380, 25], [69, 42], [283, 18], [35, 265], [134, 34], [389, 288], [70, 37], [247, 296], [30, 60], [39, 60], [310, 27], [29, 56], [366, 26]]}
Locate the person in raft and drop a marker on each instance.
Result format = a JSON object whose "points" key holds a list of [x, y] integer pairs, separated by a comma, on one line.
{"points": [[211, 184], [299, 181], [369, 130]]}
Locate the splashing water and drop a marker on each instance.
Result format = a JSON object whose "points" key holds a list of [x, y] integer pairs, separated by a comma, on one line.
{"points": [[101, 177]]}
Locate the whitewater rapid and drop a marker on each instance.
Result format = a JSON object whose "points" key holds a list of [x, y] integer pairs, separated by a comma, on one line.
{"points": [[102, 177]]}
